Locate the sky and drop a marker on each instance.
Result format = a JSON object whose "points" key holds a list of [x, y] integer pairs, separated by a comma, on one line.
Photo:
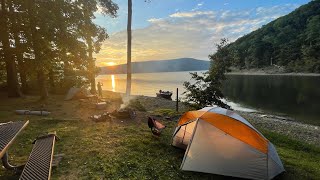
{"points": [[170, 29]]}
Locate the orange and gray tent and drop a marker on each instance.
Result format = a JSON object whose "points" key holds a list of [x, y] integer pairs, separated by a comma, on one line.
{"points": [[219, 141]]}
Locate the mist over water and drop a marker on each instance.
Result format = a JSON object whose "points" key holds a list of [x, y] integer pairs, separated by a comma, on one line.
{"points": [[296, 96]]}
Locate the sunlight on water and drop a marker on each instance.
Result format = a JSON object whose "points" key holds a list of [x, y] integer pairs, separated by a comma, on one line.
{"points": [[113, 83]]}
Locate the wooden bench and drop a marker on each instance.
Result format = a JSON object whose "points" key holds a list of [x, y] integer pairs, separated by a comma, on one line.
{"points": [[39, 163]]}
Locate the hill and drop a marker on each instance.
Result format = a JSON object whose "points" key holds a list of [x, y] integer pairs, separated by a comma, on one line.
{"points": [[182, 64], [291, 41]]}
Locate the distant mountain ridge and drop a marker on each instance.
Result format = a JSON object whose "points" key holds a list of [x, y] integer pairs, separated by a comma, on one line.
{"points": [[181, 64]]}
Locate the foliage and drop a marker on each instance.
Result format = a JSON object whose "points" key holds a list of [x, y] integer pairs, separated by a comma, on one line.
{"points": [[52, 42], [291, 41], [206, 88]]}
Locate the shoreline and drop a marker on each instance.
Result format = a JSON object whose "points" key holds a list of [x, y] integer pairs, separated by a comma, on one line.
{"points": [[265, 120], [253, 73], [273, 74]]}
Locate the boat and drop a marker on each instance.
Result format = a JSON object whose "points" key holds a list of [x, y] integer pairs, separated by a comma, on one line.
{"points": [[164, 94]]}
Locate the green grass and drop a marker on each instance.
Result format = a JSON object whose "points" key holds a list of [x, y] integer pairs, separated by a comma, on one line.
{"points": [[128, 150], [135, 104], [301, 160], [166, 112]]}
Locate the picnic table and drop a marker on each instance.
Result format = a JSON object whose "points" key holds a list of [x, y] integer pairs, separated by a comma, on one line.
{"points": [[39, 163]]}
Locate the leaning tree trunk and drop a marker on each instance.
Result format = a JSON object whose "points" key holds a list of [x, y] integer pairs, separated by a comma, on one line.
{"points": [[128, 90], [12, 78]]}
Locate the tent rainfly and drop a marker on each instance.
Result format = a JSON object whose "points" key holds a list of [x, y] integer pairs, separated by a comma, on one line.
{"points": [[77, 93], [219, 141]]}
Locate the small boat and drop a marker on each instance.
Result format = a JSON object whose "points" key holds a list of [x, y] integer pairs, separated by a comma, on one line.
{"points": [[165, 94]]}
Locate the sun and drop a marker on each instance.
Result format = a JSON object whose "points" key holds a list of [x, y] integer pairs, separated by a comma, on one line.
{"points": [[109, 63]]}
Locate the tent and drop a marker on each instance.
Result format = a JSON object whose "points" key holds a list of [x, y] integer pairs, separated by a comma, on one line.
{"points": [[219, 141], [77, 93]]}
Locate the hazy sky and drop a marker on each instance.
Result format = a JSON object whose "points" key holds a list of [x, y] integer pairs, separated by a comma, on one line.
{"points": [[168, 29]]}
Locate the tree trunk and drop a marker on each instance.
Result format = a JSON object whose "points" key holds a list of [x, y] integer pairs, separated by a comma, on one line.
{"points": [[92, 74], [41, 76], [51, 81], [18, 51], [42, 84], [67, 82], [23, 76], [128, 90], [12, 78]]}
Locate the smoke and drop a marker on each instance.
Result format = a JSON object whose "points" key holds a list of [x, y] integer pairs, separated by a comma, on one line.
{"points": [[126, 101]]}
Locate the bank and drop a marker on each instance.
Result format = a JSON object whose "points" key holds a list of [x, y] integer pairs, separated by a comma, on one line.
{"points": [[125, 148]]}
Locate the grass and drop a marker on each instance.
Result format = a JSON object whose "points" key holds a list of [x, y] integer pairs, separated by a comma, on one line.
{"points": [[136, 104], [166, 112], [301, 160], [126, 149]]}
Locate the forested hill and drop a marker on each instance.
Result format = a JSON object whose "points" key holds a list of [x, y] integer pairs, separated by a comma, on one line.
{"points": [[291, 41], [182, 64]]}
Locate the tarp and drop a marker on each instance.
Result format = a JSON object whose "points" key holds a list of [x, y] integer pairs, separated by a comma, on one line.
{"points": [[77, 93]]}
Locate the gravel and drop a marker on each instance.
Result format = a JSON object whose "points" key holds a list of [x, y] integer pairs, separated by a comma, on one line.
{"points": [[296, 130]]}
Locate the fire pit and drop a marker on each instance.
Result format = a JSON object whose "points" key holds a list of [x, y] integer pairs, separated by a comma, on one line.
{"points": [[101, 117], [124, 113]]}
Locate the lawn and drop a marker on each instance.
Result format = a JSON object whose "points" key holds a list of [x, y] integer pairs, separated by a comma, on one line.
{"points": [[126, 149]]}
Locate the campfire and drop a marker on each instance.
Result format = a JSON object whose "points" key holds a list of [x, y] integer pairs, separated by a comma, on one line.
{"points": [[124, 113]]}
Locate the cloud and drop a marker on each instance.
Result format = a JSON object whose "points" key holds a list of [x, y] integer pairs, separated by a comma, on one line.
{"points": [[191, 14], [155, 20], [187, 34]]}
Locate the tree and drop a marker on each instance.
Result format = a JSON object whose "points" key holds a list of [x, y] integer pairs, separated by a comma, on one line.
{"points": [[10, 64], [128, 90], [206, 89], [50, 41], [290, 41], [94, 34]]}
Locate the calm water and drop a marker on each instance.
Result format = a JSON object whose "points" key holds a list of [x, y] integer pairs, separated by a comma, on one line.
{"points": [[296, 96]]}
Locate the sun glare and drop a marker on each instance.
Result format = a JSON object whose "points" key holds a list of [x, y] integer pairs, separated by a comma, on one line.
{"points": [[110, 63]]}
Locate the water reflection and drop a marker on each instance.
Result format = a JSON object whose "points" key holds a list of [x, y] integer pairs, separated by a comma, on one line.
{"points": [[113, 83], [296, 96]]}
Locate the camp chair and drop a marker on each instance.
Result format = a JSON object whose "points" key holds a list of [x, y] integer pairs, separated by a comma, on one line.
{"points": [[40, 160], [155, 126]]}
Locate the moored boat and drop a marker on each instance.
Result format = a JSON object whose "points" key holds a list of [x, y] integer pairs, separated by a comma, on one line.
{"points": [[164, 94]]}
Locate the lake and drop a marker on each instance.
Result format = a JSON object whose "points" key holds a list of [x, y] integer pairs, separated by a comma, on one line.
{"points": [[295, 96]]}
